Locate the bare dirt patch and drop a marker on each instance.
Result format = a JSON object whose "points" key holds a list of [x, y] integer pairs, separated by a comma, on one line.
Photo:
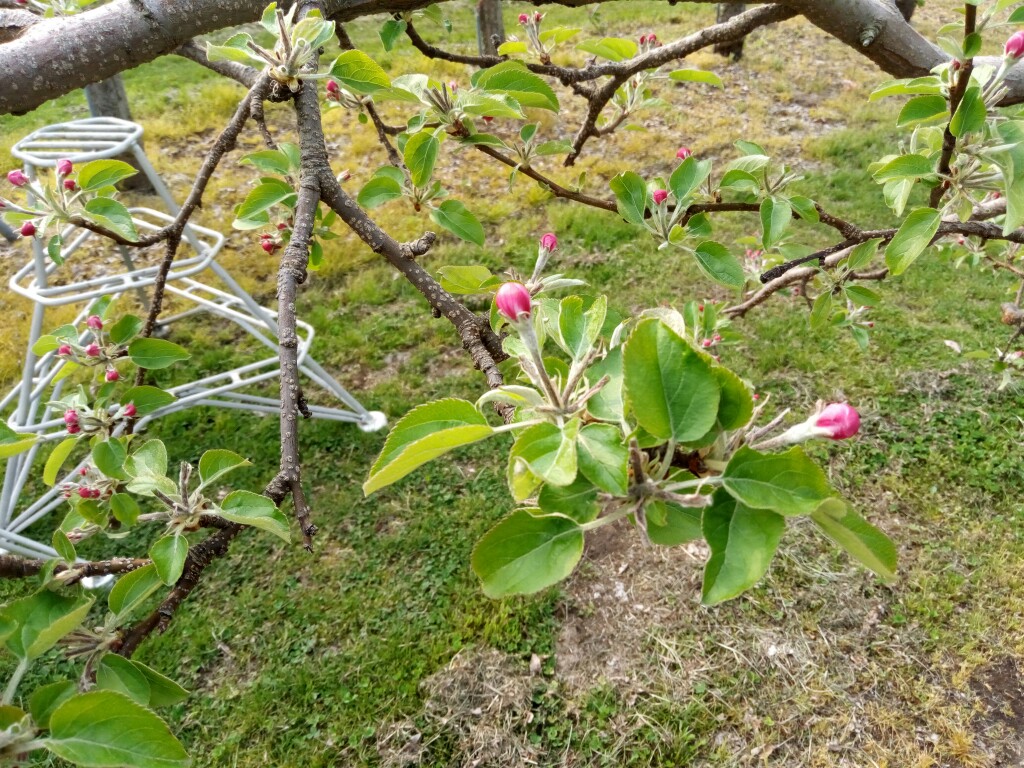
{"points": [[1000, 688]]}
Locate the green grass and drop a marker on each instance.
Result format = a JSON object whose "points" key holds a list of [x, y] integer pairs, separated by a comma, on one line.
{"points": [[333, 658]]}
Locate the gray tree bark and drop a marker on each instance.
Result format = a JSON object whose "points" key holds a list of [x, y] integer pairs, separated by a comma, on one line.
{"points": [[108, 98], [489, 27], [55, 56], [725, 12]]}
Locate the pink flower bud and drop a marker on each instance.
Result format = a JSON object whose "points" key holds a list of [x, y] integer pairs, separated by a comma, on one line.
{"points": [[524, 19], [268, 245], [548, 241], [717, 337], [700, 307], [488, 119], [513, 300], [840, 421], [70, 416], [130, 410], [453, 86], [111, 375], [85, 493], [28, 229], [64, 167], [652, 39], [69, 184], [1014, 48], [93, 350], [706, 343], [333, 88], [74, 429], [756, 396], [643, 39], [64, 350], [94, 322], [538, 16], [683, 152], [659, 195], [17, 178], [282, 227], [83, 471]]}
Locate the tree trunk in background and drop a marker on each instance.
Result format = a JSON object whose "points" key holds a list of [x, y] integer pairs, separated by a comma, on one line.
{"points": [[725, 12], [906, 7], [108, 98], [488, 26]]}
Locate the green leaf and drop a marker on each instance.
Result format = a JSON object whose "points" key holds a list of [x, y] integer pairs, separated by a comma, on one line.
{"points": [[514, 79], [614, 48], [861, 296], [467, 280], [390, 32], [715, 261], [490, 105], [109, 457], [116, 673], [863, 254], [743, 542], [923, 109], [549, 453], [233, 49], [602, 456], [907, 87], [358, 72], [106, 728], [557, 147], [125, 509], [148, 466], [457, 219], [788, 483], [63, 545], [687, 178], [13, 443], [124, 329], [607, 403], [147, 399], [53, 249], [631, 196], [379, 190], [425, 433], [913, 237], [420, 155], [132, 589], [905, 167], [776, 214], [269, 161], [163, 692], [692, 75], [672, 391], [168, 555], [32, 625], [102, 173], [45, 699], [578, 330], [970, 115], [112, 216], [216, 463], [250, 508], [577, 500], [669, 525], [736, 406], [821, 311], [525, 553], [863, 541], [512, 46], [57, 458], [804, 208], [262, 198], [154, 354]]}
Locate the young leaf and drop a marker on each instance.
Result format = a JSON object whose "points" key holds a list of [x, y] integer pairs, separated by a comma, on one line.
{"points": [[577, 500], [913, 237], [390, 32], [630, 196], [102, 173], [687, 178], [788, 483], [420, 155], [715, 261], [109, 457], [525, 553], [614, 48], [549, 453], [216, 463], [154, 354], [13, 443], [672, 391], [147, 399], [467, 280], [132, 589], [250, 508], [45, 699], [970, 114], [670, 524], [116, 673], [602, 456], [124, 329], [111, 215], [457, 219], [859, 538], [693, 75], [163, 692], [106, 728], [379, 190], [57, 458], [514, 79], [168, 555], [776, 214], [743, 542], [358, 72], [32, 625]]}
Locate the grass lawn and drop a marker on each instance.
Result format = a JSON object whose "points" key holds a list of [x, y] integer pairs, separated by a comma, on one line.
{"points": [[379, 649]]}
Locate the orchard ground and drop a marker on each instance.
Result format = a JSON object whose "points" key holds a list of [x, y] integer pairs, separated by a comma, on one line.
{"points": [[379, 649]]}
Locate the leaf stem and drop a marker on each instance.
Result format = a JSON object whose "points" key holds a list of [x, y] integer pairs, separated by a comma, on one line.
{"points": [[12, 684]]}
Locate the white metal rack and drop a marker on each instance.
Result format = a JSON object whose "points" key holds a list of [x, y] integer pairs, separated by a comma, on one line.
{"points": [[43, 282]]}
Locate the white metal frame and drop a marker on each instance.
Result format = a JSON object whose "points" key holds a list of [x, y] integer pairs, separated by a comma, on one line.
{"points": [[98, 138]]}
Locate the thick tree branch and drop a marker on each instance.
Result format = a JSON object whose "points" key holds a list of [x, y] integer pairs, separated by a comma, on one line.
{"points": [[14, 567]]}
